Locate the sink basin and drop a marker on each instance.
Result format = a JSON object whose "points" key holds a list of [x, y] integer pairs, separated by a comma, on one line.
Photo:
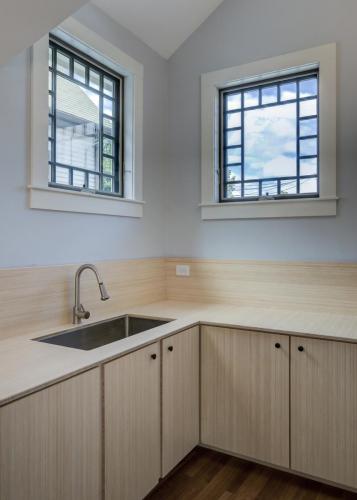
{"points": [[89, 337]]}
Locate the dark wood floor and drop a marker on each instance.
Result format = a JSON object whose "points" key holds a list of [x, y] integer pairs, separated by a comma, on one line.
{"points": [[208, 475]]}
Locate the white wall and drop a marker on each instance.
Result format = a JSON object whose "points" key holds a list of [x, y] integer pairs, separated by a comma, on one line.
{"points": [[241, 31], [34, 237]]}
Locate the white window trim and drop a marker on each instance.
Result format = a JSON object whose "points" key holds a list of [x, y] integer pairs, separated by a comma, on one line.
{"points": [[47, 198], [324, 58]]}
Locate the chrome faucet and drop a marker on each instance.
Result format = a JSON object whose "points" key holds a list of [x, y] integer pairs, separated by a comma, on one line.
{"points": [[78, 310]]}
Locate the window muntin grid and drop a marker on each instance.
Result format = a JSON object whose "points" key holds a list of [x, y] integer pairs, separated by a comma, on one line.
{"points": [[101, 170], [236, 103]]}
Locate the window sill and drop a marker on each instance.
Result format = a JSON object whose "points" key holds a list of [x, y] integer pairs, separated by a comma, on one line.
{"points": [[62, 200], [263, 209]]}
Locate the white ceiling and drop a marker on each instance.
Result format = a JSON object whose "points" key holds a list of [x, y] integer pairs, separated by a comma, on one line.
{"points": [[162, 24], [24, 22]]}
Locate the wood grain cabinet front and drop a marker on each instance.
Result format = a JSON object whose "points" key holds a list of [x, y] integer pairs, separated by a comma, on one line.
{"points": [[245, 393], [50, 442], [132, 424], [180, 396], [324, 409]]}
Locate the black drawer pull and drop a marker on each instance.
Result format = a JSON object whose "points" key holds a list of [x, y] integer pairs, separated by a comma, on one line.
{"points": [[170, 348], [153, 356], [277, 345], [300, 348]]}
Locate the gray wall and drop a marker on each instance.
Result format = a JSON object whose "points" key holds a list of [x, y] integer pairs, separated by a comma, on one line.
{"points": [[240, 31], [34, 237]]}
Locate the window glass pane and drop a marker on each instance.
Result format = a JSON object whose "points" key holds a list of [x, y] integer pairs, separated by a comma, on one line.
{"points": [[49, 173], [288, 91], [233, 191], [50, 56], [269, 188], [107, 184], [269, 95], [308, 127], [50, 80], [308, 147], [233, 101], [233, 120], [93, 182], [308, 185], [108, 107], [77, 131], [79, 72], [63, 63], [79, 179], [233, 174], [288, 187], [108, 87], [234, 155], [308, 166], [270, 142], [108, 166], [108, 146], [308, 108], [108, 126], [251, 98], [234, 138], [62, 175], [49, 126], [49, 150], [308, 87], [94, 79], [251, 189], [50, 104]]}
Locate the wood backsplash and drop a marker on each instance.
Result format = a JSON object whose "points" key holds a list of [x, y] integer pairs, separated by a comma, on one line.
{"points": [[36, 298]]}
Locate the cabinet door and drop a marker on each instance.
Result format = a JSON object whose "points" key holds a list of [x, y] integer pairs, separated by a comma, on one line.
{"points": [[324, 409], [132, 424], [50, 443], [180, 397], [245, 393]]}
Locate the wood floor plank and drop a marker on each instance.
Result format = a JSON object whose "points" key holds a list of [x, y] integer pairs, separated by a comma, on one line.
{"points": [[209, 475]]}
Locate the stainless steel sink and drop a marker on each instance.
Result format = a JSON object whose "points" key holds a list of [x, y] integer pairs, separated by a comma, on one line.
{"points": [[89, 337]]}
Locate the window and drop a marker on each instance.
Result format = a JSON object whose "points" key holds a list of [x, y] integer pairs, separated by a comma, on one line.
{"points": [[269, 139], [85, 122]]}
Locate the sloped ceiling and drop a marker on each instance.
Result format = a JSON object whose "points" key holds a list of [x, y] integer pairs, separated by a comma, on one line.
{"points": [[23, 22], [162, 24]]}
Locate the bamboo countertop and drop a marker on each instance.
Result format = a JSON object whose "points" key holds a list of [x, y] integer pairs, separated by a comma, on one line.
{"points": [[27, 366]]}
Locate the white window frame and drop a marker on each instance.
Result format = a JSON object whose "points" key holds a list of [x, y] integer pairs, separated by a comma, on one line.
{"points": [[48, 198], [323, 58]]}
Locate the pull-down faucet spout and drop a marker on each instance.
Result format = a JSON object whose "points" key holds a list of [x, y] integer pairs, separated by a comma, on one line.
{"points": [[79, 311]]}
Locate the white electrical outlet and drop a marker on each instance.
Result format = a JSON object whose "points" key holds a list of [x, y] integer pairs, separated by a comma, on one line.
{"points": [[183, 270]]}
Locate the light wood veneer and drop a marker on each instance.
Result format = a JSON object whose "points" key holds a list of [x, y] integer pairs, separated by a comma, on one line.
{"points": [[324, 410], [245, 393], [180, 397], [306, 286], [33, 299], [132, 424], [50, 443]]}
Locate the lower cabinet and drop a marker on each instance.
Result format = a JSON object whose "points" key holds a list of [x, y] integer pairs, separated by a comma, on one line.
{"points": [[324, 409], [132, 424], [180, 396], [245, 393], [50, 443]]}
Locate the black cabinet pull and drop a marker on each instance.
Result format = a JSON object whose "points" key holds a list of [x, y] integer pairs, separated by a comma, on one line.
{"points": [[300, 348], [277, 345], [153, 356], [170, 348]]}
